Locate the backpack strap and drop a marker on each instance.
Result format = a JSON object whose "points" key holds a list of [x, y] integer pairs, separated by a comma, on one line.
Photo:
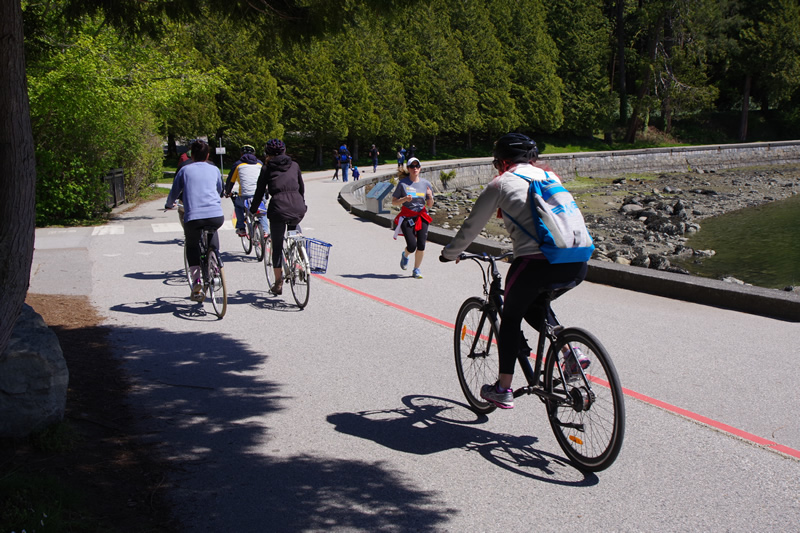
{"points": [[530, 199]]}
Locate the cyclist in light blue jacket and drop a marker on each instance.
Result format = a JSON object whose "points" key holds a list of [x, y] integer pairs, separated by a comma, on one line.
{"points": [[200, 183]]}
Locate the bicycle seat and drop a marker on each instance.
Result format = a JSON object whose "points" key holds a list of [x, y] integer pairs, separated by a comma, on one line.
{"points": [[552, 291]]}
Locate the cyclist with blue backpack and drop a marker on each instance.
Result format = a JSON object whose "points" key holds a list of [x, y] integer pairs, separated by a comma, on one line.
{"points": [[531, 272]]}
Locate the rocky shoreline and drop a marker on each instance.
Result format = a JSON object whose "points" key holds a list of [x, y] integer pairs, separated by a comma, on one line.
{"points": [[645, 220]]}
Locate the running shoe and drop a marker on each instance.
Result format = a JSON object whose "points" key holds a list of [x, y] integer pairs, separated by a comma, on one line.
{"points": [[504, 399], [417, 274], [241, 232], [403, 261], [197, 292], [277, 288], [571, 361]]}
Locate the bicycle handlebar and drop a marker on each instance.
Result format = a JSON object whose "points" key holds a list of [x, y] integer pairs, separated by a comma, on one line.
{"points": [[485, 257]]}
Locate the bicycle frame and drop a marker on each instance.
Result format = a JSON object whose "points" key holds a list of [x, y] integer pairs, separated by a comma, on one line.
{"points": [[586, 412], [548, 330]]}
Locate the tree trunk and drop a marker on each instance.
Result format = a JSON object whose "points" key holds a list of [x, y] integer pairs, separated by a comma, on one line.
{"points": [[433, 146], [645, 79], [623, 88], [666, 114], [745, 109], [17, 171], [172, 146]]}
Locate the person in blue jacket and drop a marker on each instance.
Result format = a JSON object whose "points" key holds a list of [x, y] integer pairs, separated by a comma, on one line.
{"points": [[345, 159], [200, 183]]}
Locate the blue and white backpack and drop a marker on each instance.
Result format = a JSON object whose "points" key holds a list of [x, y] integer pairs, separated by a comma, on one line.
{"points": [[559, 226]]}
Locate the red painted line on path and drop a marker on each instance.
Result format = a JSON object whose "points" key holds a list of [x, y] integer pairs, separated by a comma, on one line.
{"points": [[387, 302], [755, 439]]}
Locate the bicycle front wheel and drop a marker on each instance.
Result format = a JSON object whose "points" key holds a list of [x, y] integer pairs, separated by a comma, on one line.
{"points": [[475, 346], [300, 274], [217, 290], [247, 238], [186, 270], [589, 420], [258, 240], [268, 266]]}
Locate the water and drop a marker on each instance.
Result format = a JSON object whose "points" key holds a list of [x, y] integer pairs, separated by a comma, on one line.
{"points": [[758, 245]]}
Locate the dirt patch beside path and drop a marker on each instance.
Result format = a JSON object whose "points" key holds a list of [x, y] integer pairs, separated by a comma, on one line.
{"points": [[119, 478]]}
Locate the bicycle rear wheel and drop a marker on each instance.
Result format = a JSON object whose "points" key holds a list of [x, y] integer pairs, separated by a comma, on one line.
{"points": [[217, 290], [475, 346], [258, 240], [300, 273], [247, 238], [589, 424]]}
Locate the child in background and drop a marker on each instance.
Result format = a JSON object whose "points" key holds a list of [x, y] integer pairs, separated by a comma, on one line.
{"points": [[356, 173]]}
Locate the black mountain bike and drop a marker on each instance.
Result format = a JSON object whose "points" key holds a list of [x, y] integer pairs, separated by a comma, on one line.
{"points": [[584, 401]]}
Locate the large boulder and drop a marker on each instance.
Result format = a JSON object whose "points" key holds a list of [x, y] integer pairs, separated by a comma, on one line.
{"points": [[33, 378]]}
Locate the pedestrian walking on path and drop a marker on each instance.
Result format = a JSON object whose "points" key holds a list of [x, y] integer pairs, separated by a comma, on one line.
{"points": [[337, 164], [374, 153]]}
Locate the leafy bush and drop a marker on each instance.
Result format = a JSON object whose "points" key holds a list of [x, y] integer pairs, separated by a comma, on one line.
{"points": [[98, 103]]}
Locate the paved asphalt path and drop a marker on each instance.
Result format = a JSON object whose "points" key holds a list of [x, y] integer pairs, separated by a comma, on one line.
{"points": [[347, 416]]}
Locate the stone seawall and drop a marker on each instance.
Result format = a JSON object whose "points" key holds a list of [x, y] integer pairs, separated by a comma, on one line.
{"points": [[680, 159]]}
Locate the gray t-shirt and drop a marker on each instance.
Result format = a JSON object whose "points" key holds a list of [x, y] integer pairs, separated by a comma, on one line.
{"points": [[417, 190]]}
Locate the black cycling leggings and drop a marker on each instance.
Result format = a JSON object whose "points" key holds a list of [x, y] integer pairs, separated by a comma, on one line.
{"points": [[414, 239], [277, 230], [192, 230], [527, 279]]}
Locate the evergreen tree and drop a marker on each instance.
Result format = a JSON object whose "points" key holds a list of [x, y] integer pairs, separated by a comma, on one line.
{"points": [[769, 57], [358, 98], [483, 55], [532, 54], [439, 86], [312, 95], [385, 78], [247, 104], [581, 34]]}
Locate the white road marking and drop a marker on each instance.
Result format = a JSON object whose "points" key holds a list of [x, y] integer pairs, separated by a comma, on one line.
{"points": [[168, 227], [108, 230]]}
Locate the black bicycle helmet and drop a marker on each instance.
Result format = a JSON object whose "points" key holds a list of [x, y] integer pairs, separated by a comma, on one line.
{"points": [[274, 147], [248, 149], [515, 147]]}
